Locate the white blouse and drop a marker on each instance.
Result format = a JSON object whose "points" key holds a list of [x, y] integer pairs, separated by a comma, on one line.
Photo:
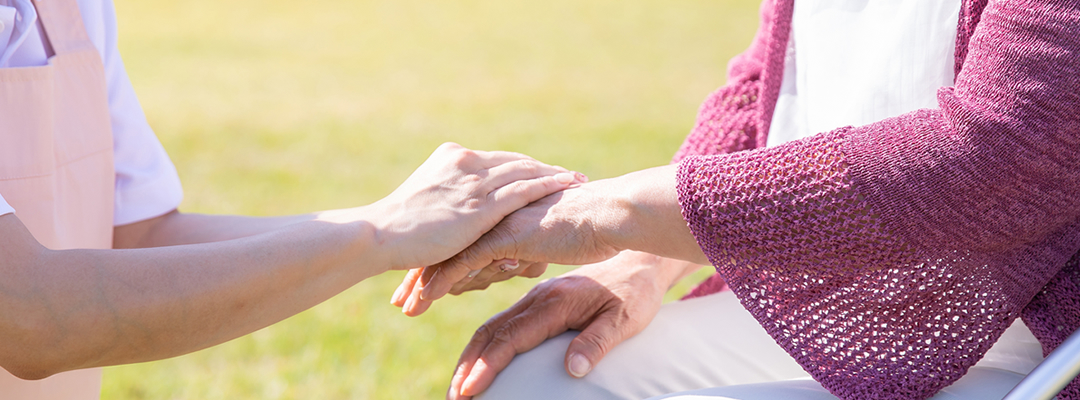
{"points": [[146, 181], [854, 62]]}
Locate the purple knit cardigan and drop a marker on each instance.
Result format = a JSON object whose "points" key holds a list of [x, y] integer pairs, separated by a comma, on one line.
{"points": [[888, 258]]}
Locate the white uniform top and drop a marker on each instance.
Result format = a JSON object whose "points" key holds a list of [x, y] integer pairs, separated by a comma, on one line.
{"points": [[146, 181], [855, 62]]}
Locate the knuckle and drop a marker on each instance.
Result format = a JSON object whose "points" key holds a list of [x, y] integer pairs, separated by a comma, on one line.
{"points": [[504, 335], [473, 203], [462, 156], [530, 166], [449, 146], [472, 179], [482, 334]]}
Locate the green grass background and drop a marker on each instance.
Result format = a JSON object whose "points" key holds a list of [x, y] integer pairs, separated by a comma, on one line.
{"points": [[272, 107]]}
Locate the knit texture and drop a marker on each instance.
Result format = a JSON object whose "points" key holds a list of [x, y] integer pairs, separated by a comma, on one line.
{"points": [[730, 119], [888, 258]]}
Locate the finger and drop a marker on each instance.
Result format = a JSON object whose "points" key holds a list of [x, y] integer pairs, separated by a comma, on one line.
{"points": [[414, 304], [490, 276], [594, 342], [486, 277], [398, 299], [515, 195], [517, 335], [489, 159], [479, 342], [447, 273], [534, 270], [506, 173], [481, 275]]}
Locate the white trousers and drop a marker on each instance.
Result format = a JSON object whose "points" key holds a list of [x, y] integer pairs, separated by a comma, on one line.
{"points": [[712, 348]]}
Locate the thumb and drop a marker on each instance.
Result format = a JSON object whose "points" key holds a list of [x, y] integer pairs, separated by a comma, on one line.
{"points": [[594, 342]]}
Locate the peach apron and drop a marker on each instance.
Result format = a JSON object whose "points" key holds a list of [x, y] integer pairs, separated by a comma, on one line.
{"points": [[56, 163]]}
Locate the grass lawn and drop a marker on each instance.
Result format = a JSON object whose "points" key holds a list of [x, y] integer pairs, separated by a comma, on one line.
{"points": [[271, 107]]}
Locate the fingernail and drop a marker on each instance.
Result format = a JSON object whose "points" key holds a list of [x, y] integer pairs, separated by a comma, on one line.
{"points": [[564, 177], [579, 365], [511, 265], [581, 177], [473, 273]]}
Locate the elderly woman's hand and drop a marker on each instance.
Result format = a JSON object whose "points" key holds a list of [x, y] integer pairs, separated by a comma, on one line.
{"points": [[608, 302], [566, 227], [584, 224]]}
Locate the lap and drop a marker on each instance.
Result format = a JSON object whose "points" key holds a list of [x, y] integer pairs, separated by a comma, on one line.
{"points": [[698, 343], [711, 346]]}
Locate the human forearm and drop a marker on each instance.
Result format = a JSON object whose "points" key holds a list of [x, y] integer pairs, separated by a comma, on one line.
{"points": [[82, 308], [72, 309], [645, 206], [176, 228]]}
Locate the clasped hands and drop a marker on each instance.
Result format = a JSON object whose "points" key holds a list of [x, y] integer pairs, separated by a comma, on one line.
{"points": [[625, 224]]}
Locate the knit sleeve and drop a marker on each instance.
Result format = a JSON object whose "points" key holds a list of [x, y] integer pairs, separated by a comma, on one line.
{"points": [[888, 258], [729, 119]]}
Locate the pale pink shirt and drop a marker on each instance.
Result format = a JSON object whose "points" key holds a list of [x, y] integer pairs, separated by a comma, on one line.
{"points": [[146, 181]]}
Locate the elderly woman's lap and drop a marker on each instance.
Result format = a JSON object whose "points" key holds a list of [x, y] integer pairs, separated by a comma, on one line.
{"points": [[711, 348], [699, 343]]}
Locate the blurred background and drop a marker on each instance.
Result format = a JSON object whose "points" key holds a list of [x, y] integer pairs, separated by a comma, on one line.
{"points": [[279, 106]]}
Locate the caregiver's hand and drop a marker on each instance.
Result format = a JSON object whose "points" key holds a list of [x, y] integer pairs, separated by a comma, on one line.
{"points": [[584, 224], [609, 302], [453, 198]]}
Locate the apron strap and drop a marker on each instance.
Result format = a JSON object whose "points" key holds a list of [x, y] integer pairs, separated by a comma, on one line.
{"points": [[63, 24]]}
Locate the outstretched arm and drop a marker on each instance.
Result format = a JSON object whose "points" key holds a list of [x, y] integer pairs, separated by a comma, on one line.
{"points": [[73, 309]]}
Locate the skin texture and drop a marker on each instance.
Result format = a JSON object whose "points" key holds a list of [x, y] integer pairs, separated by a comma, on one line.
{"points": [[635, 218], [193, 281], [608, 302]]}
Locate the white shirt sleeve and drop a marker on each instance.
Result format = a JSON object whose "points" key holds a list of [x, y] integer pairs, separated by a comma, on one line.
{"points": [[147, 184], [4, 207]]}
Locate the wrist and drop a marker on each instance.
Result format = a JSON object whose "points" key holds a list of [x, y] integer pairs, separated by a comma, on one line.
{"points": [[638, 199], [364, 240], [662, 271], [649, 216]]}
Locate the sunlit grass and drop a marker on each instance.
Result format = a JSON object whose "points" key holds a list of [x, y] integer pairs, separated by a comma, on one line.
{"points": [[273, 106]]}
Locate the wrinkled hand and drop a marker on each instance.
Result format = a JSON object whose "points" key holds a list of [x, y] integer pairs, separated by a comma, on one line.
{"points": [[568, 227], [608, 302], [454, 197]]}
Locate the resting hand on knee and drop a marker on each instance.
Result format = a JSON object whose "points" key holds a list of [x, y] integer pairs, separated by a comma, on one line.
{"points": [[608, 302]]}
